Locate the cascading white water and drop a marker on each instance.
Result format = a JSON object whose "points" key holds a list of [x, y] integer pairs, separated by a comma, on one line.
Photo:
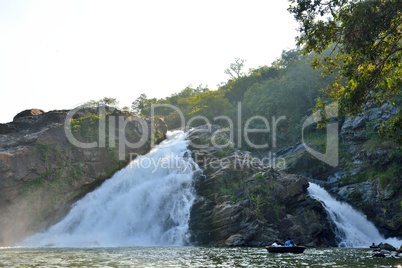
{"points": [[352, 227], [147, 203]]}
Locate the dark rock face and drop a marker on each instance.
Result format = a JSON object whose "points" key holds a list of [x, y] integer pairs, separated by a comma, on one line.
{"points": [[42, 173], [299, 161], [369, 172], [6, 128], [381, 204], [241, 202], [374, 166], [29, 112]]}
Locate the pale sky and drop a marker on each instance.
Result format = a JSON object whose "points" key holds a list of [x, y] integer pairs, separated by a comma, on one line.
{"points": [[57, 54]]}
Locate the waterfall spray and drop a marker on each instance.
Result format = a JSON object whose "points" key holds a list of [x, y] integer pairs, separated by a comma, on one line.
{"points": [[352, 227], [145, 204]]}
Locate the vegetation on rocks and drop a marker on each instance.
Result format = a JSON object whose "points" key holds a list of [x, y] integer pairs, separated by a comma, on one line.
{"points": [[42, 173]]}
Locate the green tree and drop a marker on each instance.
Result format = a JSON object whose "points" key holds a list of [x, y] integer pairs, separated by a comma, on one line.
{"points": [[142, 105], [106, 101], [209, 104], [287, 58], [292, 94], [235, 69], [139, 104], [366, 42], [235, 88], [113, 102]]}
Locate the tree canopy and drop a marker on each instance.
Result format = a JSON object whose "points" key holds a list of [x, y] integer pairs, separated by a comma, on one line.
{"points": [[365, 38]]}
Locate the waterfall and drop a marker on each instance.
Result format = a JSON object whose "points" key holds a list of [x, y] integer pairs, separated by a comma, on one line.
{"points": [[145, 204], [352, 229]]}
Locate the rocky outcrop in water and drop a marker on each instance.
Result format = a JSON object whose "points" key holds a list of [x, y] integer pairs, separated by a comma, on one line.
{"points": [[45, 167], [241, 202]]}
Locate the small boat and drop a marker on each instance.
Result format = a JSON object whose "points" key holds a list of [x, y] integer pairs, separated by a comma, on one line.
{"points": [[285, 249]]}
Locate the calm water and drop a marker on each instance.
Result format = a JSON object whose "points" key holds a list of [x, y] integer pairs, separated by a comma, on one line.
{"points": [[188, 257]]}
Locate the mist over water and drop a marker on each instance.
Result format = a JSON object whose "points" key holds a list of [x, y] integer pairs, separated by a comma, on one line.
{"points": [[352, 227], [145, 204]]}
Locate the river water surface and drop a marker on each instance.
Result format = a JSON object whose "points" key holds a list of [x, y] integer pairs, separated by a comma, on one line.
{"points": [[189, 257]]}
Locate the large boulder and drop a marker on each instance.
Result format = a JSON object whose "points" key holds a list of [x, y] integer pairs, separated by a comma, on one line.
{"points": [[48, 162], [388, 247], [28, 113], [242, 202]]}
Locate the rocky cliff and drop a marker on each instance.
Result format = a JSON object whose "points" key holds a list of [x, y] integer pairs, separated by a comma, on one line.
{"points": [[50, 160], [369, 172], [370, 175], [241, 202]]}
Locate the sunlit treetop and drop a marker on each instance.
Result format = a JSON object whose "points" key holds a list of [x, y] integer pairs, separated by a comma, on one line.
{"points": [[365, 42]]}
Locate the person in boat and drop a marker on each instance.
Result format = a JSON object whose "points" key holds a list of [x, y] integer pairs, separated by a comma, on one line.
{"points": [[289, 243], [276, 244], [375, 246]]}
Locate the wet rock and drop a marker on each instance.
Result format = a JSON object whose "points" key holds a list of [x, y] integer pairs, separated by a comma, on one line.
{"points": [[388, 247], [235, 240], [378, 255]]}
